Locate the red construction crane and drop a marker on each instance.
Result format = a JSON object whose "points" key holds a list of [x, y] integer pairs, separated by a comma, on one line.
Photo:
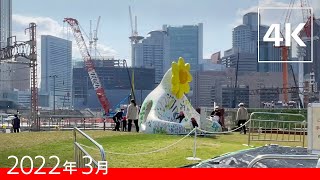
{"points": [[284, 57], [307, 17], [74, 24]]}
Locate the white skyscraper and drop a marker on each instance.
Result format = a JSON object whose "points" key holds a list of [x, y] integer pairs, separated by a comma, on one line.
{"points": [[56, 71]]}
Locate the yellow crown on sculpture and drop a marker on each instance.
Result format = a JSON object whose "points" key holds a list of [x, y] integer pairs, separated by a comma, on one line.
{"points": [[181, 78]]}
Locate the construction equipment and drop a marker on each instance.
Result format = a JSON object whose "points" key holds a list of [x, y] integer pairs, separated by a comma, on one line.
{"points": [[296, 84], [284, 56], [74, 24], [134, 39], [93, 38], [305, 35], [90, 38], [307, 17], [28, 50]]}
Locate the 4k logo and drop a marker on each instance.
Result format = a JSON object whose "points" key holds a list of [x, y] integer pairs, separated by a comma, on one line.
{"points": [[277, 39]]}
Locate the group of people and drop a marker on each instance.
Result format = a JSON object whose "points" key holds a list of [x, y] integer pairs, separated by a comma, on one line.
{"points": [[193, 120], [132, 115], [241, 117]]}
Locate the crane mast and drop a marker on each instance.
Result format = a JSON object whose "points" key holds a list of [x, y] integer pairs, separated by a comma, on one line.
{"points": [[284, 57], [74, 24], [95, 38], [307, 18]]}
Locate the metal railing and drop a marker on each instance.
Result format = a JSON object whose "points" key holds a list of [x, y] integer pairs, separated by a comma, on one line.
{"points": [[285, 157], [80, 152], [277, 130]]}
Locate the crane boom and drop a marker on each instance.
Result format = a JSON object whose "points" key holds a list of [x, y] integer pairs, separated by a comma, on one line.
{"points": [[284, 56], [97, 86], [131, 21], [96, 30], [95, 38], [307, 17]]}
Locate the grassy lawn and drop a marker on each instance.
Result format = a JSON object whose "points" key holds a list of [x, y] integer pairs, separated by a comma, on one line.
{"points": [[61, 144]]}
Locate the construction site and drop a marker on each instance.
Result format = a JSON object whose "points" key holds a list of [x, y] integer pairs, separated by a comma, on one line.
{"points": [[295, 91], [175, 100]]}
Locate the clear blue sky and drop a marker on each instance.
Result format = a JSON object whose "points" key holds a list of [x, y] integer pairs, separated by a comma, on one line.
{"points": [[218, 16]]}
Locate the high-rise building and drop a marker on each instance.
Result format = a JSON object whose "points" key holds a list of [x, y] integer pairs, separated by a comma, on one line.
{"points": [[153, 52], [7, 97], [245, 39], [5, 21], [246, 62], [56, 71], [245, 35], [187, 42], [21, 74], [315, 66]]}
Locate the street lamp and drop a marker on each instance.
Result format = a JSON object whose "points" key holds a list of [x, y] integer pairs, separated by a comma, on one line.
{"points": [[54, 93]]}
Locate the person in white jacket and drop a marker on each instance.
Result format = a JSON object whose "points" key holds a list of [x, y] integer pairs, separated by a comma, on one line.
{"points": [[133, 115]]}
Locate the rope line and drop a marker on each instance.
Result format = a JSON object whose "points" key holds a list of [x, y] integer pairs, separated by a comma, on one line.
{"points": [[144, 153], [224, 132], [167, 147]]}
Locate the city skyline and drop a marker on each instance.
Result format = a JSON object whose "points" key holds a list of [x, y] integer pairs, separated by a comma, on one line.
{"points": [[218, 20]]}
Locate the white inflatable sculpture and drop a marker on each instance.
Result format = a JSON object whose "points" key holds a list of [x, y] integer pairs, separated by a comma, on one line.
{"points": [[162, 106]]}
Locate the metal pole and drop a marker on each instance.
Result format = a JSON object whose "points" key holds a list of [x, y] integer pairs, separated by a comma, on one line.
{"points": [[304, 132], [250, 128], [236, 82], [84, 124], [34, 84], [195, 144], [194, 158], [130, 79], [54, 94], [280, 156], [297, 87]]}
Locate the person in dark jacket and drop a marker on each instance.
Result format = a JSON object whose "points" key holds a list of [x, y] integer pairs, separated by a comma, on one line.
{"points": [[194, 122], [181, 116], [117, 118], [16, 124]]}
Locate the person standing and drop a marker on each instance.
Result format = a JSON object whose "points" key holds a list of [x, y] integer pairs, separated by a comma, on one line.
{"points": [[124, 124], [16, 124], [242, 116], [132, 115]]}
